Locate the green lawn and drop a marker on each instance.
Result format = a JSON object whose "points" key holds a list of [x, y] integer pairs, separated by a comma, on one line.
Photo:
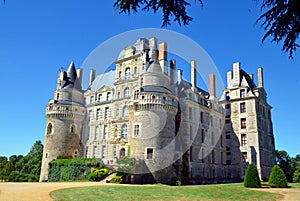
{"points": [[294, 185], [163, 192]]}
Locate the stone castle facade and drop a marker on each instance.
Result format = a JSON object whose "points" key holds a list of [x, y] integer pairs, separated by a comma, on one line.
{"points": [[144, 109]]}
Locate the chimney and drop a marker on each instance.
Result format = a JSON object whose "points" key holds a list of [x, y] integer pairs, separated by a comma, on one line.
{"points": [[260, 77], [212, 85], [236, 73], [229, 78], [193, 75], [251, 76], [173, 71], [163, 57], [92, 76], [79, 75], [179, 75]]}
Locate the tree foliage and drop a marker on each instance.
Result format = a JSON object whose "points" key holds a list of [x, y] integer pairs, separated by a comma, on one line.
{"points": [[286, 163], [170, 8], [251, 179], [278, 177], [296, 176], [281, 22]]}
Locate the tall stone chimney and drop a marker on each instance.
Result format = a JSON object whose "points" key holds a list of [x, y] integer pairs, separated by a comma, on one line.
{"points": [[163, 57], [229, 78], [173, 71], [79, 75], [92, 76], [212, 85], [236, 73], [193, 75], [179, 75], [260, 77]]}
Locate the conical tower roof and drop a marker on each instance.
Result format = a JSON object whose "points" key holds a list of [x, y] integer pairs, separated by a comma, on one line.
{"points": [[72, 79]]}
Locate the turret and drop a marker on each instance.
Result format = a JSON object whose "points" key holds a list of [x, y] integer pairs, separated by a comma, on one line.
{"points": [[64, 120]]}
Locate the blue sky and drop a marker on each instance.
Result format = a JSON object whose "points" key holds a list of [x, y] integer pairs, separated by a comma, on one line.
{"points": [[38, 37]]}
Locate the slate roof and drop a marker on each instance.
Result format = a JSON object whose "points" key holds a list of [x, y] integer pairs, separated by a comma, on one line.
{"points": [[105, 79]]}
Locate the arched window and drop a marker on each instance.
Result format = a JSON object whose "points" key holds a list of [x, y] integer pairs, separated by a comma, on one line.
{"points": [[49, 129], [125, 111], [120, 74], [72, 128], [126, 92], [122, 153], [124, 131], [135, 70], [127, 73]]}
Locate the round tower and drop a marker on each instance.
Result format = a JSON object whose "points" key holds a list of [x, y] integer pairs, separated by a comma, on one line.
{"points": [[153, 125], [64, 120]]}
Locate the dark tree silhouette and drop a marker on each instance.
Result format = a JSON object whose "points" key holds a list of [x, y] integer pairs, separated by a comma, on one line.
{"points": [[170, 8], [282, 23], [281, 20]]}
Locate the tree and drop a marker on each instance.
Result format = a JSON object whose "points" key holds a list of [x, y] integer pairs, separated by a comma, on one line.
{"points": [[251, 179], [296, 176], [286, 163], [278, 177], [169, 8], [281, 21]]}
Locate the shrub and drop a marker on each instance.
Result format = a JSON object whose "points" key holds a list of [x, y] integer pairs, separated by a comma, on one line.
{"points": [[72, 169], [296, 176], [278, 177], [98, 174], [117, 180], [251, 179], [175, 181]]}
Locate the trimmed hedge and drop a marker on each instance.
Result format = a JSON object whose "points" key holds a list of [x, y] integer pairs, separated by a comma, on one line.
{"points": [[72, 169], [117, 180], [278, 177], [251, 179], [98, 174]]}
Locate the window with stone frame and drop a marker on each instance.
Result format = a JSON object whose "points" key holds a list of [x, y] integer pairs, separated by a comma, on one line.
{"points": [[135, 70], [242, 93], [202, 136], [136, 130], [242, 107], [92, 99], [243, 123], [126, 92], [98, 114], [125, 111], [149, 153], [108, 96], [127, 73], [100, 97], [191, 153], [96, 133], [105, 131], [124, 131], [244, 140], [136, 94], [95, 152], [201, 117], [49, 129], [122, 153], [103, 151], [244, 157], [106, 114]]}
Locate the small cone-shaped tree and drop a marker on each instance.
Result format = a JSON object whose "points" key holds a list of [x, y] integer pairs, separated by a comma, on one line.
{"points": [[251, 178], [278, 177]]}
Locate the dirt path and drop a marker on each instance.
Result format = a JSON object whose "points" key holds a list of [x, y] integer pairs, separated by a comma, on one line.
{"points": [[288, 194], [35, 191]]}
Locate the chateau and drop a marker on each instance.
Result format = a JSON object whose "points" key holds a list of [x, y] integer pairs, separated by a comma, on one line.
{"points": [[144, 109]]}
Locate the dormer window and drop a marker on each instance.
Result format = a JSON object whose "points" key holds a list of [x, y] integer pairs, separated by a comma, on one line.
{"points": [[242, 93]]}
